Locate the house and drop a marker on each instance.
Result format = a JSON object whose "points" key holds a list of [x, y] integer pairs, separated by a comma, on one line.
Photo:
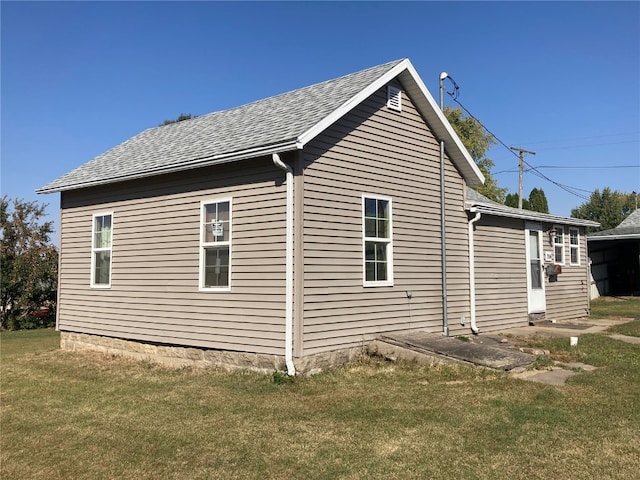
{"points": [[615, 257], [286, 233], [527, 264]]}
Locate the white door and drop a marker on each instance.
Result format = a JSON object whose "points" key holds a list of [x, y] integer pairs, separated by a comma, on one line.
{"points": [[535, 274]]}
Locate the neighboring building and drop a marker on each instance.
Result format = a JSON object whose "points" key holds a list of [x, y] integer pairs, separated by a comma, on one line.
{"points": [[289, 231], [527, 265], [615, 257]]}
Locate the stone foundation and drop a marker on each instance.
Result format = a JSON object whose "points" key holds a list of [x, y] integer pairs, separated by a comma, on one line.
{"points": [[177, 357]]}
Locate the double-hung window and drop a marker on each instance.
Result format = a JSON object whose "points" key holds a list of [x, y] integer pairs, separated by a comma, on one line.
{"points": [[101, 241], [574, 245], [215, 245], [558, 245], [377, 241]]}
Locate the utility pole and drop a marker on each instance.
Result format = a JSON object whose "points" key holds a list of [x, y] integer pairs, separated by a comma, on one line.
{"points": [[521, 151]]}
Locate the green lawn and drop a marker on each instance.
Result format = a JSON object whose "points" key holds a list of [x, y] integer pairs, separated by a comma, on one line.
{"points": [[88, 416], [615, 307]]}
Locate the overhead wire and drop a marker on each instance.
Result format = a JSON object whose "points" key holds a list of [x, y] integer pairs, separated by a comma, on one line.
{"points": [[567, 188]]}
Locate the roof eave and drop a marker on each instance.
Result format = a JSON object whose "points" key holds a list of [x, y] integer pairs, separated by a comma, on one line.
{"points": [[630, 236], [427, 106], [192, 164], [530, 215]]}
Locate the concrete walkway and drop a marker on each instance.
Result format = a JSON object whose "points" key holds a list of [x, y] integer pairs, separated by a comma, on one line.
{"points": [[496, 349], [437, 346], [625, 338]]}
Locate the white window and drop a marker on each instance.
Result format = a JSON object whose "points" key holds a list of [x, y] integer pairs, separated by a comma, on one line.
{"points": [[377, 241], [394, 98], [574, 245], [558, 245], [215, 245], [101, 242]]}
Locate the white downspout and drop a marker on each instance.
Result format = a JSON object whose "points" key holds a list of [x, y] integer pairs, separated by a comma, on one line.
{"points": [[288, 320], [472, 273]]}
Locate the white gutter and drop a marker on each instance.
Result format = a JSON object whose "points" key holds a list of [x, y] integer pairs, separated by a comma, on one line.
{"points": [[288, 320], [598, 238], [181, 167], [472, 273], [511, 212]]}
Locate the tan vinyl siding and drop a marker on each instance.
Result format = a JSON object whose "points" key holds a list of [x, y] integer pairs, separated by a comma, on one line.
{"points": [[154, 294], [377, 151], [501, 273], [568, 298]]}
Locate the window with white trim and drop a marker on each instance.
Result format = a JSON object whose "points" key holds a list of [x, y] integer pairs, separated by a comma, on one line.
{"points": [[558, 245], [377, 241], [215, 245], [101, 244], [574, 246]]}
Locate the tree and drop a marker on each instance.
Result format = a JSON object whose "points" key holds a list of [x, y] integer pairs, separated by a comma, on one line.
{"points": [[511, 200], [29, 266], [181, 118], [477, 142], [609, 208], [538, 201]]}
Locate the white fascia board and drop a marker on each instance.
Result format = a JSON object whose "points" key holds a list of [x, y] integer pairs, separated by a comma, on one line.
{"points": [[463, 161], [631, 236], [530, 215], [350, 104], [180, 167], [427, 106]]}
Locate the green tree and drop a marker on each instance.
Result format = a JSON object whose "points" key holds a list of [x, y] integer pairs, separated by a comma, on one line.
{"points": [[511, 200], [181, 118], [609, 208], [538, 201], [477, 141], [29, 266]]}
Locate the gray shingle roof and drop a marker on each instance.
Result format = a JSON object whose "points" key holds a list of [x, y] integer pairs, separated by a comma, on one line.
{"points": [[489, 207], [221, 136], [628, 228]]}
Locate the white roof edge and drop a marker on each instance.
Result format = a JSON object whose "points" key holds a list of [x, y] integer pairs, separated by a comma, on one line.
{"points": [[199, 163], [347, 106], [530, 215], [597, 238], [453, 136], [403, 65]]}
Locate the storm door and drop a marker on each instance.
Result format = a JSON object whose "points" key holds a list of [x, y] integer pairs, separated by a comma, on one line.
{"points": [[535, 273]]}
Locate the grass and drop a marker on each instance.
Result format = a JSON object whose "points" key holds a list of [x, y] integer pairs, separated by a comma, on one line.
{"points": [[604, 307], [91, 416], [631, 329]]}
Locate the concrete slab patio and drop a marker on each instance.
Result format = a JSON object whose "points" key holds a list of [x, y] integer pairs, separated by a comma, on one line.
{"points": [[497, 350], [457, 350]]}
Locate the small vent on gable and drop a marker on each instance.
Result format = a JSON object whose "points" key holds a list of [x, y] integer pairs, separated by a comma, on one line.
{"points": [[394, 98]]}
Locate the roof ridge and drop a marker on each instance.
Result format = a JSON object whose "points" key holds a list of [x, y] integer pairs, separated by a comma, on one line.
{"points": [[384, 66], [283, 122]]}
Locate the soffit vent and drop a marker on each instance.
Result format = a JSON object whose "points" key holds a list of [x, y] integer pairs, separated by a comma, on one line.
{"points": [[394, 98]]}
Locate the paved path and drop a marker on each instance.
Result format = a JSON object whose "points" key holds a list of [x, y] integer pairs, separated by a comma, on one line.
{"points": [[626, 338], [467, 352], [494, 350]]}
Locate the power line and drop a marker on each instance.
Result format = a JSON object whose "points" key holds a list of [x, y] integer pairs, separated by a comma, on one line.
{"points": [[591, 167], [539, 142], [569, 147], [572, 167], [566, 188]]}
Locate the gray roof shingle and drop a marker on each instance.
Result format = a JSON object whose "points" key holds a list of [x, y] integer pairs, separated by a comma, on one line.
{"points": [[628, 228], [489, 207], [218, 136]]}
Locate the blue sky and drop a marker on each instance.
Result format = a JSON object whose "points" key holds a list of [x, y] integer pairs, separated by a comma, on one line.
{"points": [[560, 79]]}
